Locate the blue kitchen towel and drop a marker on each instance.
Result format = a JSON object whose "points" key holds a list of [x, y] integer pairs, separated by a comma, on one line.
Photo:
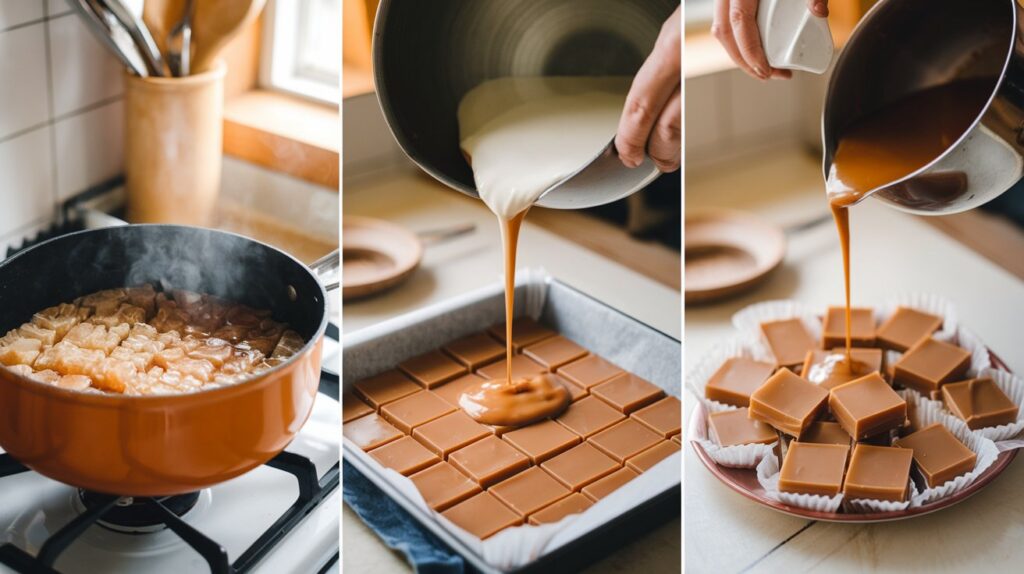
{"points": [[424, 551]]}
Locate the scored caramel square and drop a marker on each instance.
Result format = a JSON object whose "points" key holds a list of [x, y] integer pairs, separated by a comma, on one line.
{"points": [[475, 351], [647, 459], [589, 371], [449, 433], [452, 390], [663, 417], [788, 340], [787, 402], [829, 369], [625, 439], [489, 460], [575, 503], [482, 516], [825, 432], [522, 368], [554, 352], [627, 392], [529, 491], [576, 392], [443, 487], [603, 487], [735, 427], [370, 431], [432, 369], [525, 331], [929, 364], [352, 407], [813, 468], [905, 328], [862, 327], [878, 473], [410, 412], [588, 416], [385, 387], [405, 455], [541, 441], [737, 378], [980, 403], [867, 406], [580, 466], [939, 455]]}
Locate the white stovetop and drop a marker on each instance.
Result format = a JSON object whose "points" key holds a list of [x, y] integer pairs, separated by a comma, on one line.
{"points": [[473, 261], [892, 252]]}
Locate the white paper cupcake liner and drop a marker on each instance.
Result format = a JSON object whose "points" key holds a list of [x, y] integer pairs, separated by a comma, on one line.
{"points": [[697, 378], [737, 456], [768, 475], [927, 412], [866, 505], [980, 358], [926, 303], [748, 320]]}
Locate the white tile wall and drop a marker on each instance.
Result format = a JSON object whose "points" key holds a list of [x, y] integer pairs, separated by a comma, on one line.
{"points": [[60, 114]]}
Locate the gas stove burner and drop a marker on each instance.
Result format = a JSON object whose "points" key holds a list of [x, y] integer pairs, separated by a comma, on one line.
{"points": [[137, 515]]}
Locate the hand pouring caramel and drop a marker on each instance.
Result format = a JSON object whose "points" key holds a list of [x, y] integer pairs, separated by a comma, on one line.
{"points": [[522, 136]]}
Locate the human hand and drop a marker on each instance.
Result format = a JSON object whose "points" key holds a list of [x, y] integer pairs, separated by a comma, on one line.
{"points": [[735, 26], [652, 116]]}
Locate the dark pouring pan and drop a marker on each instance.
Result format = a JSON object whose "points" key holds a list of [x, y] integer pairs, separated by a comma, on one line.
{"points": [[159, 445]]}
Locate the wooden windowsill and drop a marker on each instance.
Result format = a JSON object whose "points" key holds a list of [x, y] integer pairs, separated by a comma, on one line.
{"points": [[285, 133]]}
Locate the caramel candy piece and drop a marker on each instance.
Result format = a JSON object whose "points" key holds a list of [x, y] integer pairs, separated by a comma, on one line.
{"points": [[627, 392], [813, 468], [529, 491], [787, 402], [737, 378], [554, 352], [580, 466], [410, 412], [862, 328], [930, 364], [879, 473], [522, 368], [385, 387], [525, 331], [451, 391], [572, 504], [906, 328], [443, 487], [449, 433], [678, 439], [432, 369], [542, 440], [939, 455], [867, 406], [589, 416], [482, 516], [663, 417], [647, 459], [353, 408], [603, 487], [370, 431], [735, 427], [788, 340], [576, 392], [475, 351], [826, 432], [625, 439], [829, 369], [405, 455], [980, 403], [589, 371], [489, 460]]}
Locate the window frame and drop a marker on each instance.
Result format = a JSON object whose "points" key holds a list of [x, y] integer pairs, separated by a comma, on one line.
{"points": [[279, 66]]}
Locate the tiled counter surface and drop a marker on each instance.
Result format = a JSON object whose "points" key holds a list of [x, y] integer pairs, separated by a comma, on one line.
{"points": [[473, 261], [892, 252]]}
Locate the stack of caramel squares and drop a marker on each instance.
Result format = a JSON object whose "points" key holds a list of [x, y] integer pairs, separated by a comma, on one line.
{"points": [[846, 430], [486, 478]]}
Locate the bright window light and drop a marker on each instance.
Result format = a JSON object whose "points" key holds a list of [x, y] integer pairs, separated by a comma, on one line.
{"points": [[302, 48]]}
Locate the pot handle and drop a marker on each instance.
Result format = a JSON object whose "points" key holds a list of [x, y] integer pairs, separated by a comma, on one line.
{"points": [[328, 270]]}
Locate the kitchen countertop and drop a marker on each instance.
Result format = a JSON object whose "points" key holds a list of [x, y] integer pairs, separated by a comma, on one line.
{"points": [[891, 252], [475, 260]]}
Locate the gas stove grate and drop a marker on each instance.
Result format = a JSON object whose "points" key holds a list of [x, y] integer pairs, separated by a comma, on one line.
{"points": [[312, 491]]}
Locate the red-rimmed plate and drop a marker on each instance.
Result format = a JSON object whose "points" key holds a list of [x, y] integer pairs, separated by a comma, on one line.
{"points": [[744, 480]]}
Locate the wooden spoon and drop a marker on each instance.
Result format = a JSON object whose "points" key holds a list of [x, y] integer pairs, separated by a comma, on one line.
{"points": [[160, 16], [216, 22]]}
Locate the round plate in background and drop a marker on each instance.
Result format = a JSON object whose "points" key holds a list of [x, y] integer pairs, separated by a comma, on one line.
{"points": [[376, 255], [728, 252]]}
